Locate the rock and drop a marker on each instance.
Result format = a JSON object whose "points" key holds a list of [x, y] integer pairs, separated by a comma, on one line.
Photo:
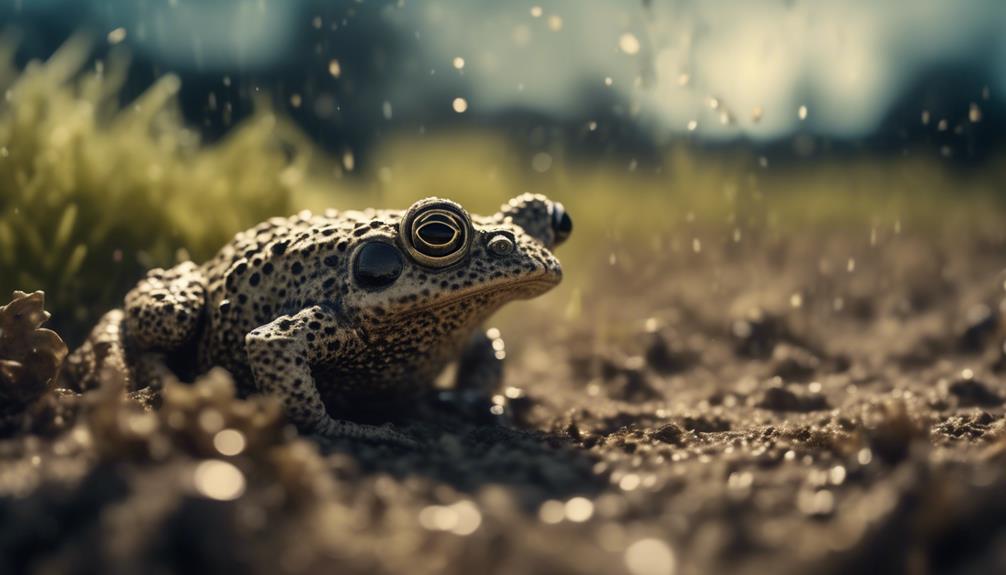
{"points": [[665, 354], [972, 392], [756, 333], [30, 356], [668, 433], [980, 323], [793, 363], [627, 379], [779, 398]]}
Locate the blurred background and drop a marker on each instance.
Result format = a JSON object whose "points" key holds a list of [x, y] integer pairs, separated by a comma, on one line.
{"points": [[779, 345], [133, 129]]}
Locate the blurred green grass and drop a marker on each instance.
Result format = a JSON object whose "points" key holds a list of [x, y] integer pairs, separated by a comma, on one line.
{"points": [[92, 194]]}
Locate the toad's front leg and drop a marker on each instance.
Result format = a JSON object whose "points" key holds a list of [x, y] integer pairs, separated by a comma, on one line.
{"points": [[281, 354]]}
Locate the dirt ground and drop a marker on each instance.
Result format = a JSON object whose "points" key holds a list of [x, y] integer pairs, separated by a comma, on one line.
{"points": [[814, 405]]}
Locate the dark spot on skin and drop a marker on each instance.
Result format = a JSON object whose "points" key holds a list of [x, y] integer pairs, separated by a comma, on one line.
{"points": [[279, 248], [331, 261], [267, 268], [255, 279], [296, 268], [241, 267]]}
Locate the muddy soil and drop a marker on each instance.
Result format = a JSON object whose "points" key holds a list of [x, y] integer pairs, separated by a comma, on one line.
{"points": [[814, 406]]}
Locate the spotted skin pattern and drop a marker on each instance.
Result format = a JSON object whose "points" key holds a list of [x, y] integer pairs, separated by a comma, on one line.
{"points": [[282, 307]]}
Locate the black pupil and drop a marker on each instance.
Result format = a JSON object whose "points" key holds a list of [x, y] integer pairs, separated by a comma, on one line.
{"points": [[561, 222], [377, 265], [436, 233]]}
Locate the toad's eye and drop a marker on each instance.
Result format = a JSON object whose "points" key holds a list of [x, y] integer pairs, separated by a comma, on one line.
{"points": [[377, 265], [436, 233], [562, 224]]}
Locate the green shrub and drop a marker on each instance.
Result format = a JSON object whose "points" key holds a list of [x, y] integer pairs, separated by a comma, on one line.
{"points": [[92, 194]]}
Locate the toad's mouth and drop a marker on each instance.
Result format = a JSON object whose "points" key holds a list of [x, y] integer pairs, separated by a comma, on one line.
{"points": [[527, 287]]}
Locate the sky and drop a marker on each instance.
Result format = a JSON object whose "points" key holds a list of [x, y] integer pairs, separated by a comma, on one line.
{"points": [[715, 69]]}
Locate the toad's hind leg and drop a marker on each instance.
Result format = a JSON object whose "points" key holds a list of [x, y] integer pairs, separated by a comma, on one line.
{"points": [[163, 311], [105, 354]]}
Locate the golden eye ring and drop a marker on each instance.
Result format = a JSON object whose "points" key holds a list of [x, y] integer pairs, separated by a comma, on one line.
{"points": [[436, 233]]}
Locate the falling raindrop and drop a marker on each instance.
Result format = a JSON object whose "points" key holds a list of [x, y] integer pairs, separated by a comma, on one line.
{"points": [[974, 113], [628, 43], [117, 36], [541, 162]]}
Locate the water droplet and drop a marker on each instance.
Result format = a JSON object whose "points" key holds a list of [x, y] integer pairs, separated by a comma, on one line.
{"points": [[629, 482], [334, 68], [579, 509], [974, 113], [219, 480], [536, 11], [802, 113], [521, 35], [837, 475], [541, 162], [229, 442], [117, 36], [650, 557], [460, 105], [552, 512], [628, 43], [458, 63], [554, 23]]}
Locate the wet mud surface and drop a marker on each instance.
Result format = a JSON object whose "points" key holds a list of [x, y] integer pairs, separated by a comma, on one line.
{"points": [[821, 406]]}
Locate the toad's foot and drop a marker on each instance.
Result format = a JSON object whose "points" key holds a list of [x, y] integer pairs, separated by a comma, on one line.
{"points": [[339, 429]]}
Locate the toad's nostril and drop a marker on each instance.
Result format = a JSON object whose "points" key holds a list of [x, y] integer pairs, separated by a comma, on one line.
{"points": [[562, 224]]}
